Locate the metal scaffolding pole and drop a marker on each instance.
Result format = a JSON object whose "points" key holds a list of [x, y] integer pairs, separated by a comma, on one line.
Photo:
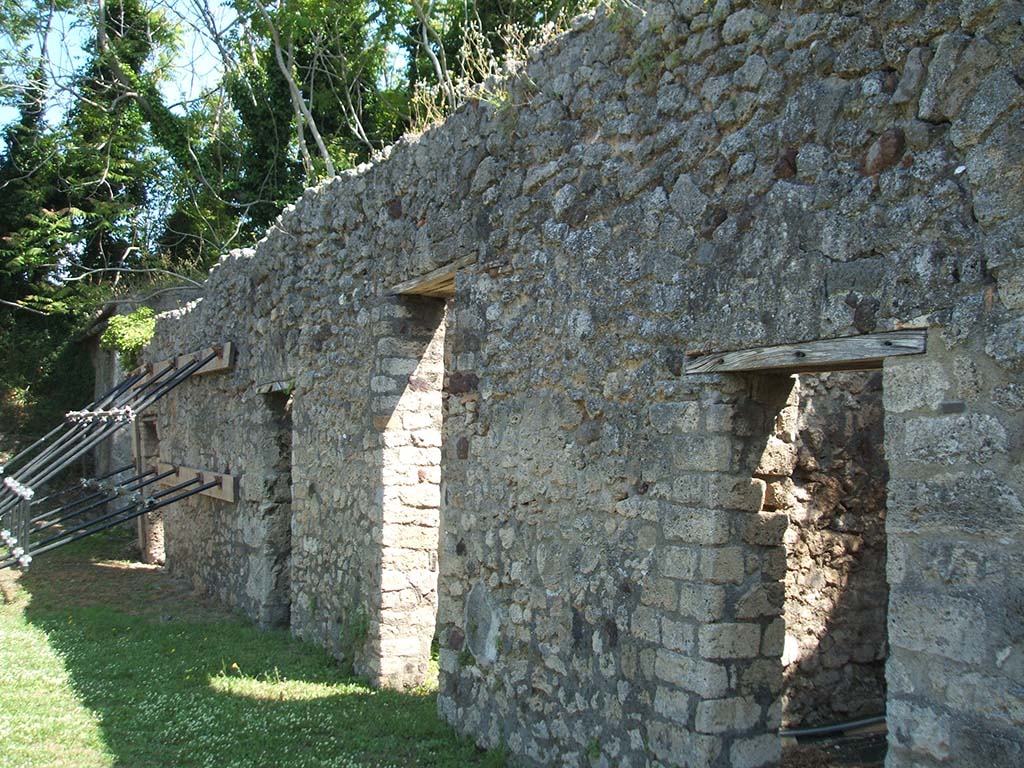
{"points": [[82, 430], [46, 457], [103, 491], [99, 503], [26, 455], [82, 484], [146, 397], [114, 518]]}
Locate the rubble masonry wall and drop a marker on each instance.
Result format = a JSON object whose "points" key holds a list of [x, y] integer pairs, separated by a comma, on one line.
{"points": [[692, 176]]}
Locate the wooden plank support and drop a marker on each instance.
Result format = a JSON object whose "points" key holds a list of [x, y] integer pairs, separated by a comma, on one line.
{"points": [[275, 386], [224, 361], [852, 353], [439, 283], [226, 491]]}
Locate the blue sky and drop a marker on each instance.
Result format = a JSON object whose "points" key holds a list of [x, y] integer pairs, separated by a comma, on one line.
{"points": [[196, 66]]}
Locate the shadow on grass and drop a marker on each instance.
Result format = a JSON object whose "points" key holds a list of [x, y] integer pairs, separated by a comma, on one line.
{"points": [[178, 683]]}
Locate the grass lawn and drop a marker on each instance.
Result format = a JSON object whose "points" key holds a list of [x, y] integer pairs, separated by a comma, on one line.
{"points": [[106, 662]]}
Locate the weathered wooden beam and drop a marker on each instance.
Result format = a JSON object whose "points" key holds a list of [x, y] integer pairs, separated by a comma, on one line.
{"points": [[439, 282], [226, 491], [852, 353], [275, 386], [224, 361]]}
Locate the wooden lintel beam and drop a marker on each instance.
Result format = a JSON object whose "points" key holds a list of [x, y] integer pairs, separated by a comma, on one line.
{"points": [[275, 386], [439, 282], [852, 353], [226, 491]]}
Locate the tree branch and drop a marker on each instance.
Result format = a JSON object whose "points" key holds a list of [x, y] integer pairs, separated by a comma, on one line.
{"points": [[302, 111], [23, 307]]}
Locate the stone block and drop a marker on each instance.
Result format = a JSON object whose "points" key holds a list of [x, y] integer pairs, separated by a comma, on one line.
{"points": [[773, 640], [407, 647], [938, 624], [773, 563], [395, 512], [976, 502], [420, 457], [761, 600], [414, 420], [722, 565], [405, 559], [729, 641], [687, 200], [956, 69], [395, 438], [1005, 344], [995, 96], [756, 752], [426, 438], [677, 635], [971, 438], [423, 495], [410, 537], [717, 490], [672, 704], [759, 676], [912, 80], [919, 728], [778, 458], [676, 746], [448, 660], [765, 529], [696, 526], [385, 384], [704, 602], [660, 593], [675, 417], [704, 678], [681, 562], [910, 386], [742, 24], [727, 715], [704, 453], [976, 743], [644, 624]]}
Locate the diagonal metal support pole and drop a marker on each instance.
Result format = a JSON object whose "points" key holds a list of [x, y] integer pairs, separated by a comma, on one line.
{"points": [[96, 505], [116, 518], [42, 471]]}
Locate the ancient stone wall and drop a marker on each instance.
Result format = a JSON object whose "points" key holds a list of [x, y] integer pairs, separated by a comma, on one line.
{"points": [[687, 176], [238, 552]]}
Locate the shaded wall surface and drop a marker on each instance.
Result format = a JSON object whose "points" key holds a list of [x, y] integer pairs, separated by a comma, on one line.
{"points": [[691, 176]]}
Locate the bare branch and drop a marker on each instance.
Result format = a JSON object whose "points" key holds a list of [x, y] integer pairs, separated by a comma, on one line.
{"points": [[441, 70], [134, 271], [23, 307], [152, 295], [302, 111]]}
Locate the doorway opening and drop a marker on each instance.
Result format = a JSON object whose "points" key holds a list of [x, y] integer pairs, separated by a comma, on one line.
{"points": [[277, 506], [149, 527], [410, 408], [824, 468]]}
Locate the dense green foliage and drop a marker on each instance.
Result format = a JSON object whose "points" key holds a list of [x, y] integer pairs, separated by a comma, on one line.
{"points": [[103, 664], [103, 183], [127, 334]]}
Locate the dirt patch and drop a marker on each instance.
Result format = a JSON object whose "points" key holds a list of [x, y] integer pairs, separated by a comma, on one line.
{"points": [[844, 752], [101, 570]]}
